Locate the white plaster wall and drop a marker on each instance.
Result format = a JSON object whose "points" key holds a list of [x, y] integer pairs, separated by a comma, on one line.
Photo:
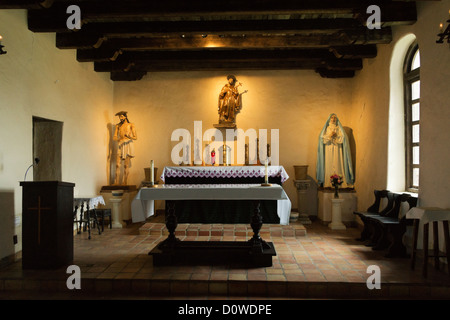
{"points": [[370, 121], [37, 79], [296, 102], [370, 117], [371, 101], [434, 106]]}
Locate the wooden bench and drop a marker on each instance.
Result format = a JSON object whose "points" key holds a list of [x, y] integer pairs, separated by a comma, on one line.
{"points": [[390, 227], [374, 209]]}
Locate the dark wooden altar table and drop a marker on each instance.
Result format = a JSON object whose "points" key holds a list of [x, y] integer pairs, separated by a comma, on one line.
{"points": [[172, 250]]}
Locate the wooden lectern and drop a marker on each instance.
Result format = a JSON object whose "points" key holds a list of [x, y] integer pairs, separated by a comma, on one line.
{"points": [[47, 224]]}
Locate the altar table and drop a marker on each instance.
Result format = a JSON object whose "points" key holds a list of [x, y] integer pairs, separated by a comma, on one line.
{"points": [[141, 210], [218, 211], [172, 250]]}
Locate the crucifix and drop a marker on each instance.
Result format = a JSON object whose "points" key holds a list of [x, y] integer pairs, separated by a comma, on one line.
{"points": [[39, 208]]}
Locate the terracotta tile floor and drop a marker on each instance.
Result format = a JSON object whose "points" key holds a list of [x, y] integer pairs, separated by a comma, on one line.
{"points": [[321, 264]]}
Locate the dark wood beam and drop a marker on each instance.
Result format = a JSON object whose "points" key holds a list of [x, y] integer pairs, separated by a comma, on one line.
{"points": [[166, 66], [355, 51], [393, 12], [127, 75], [256, 63], [25, 4], [90, 55], [37, 23], [362, 36], [396, 13], [101, 54], [344, 64], [326, 73], [113, 10]]}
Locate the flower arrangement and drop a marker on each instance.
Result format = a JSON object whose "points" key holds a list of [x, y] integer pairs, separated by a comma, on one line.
{"points": [[336, 181]]}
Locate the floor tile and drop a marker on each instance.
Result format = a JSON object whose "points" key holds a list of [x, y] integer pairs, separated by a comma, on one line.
{"points": [[305, 265]]}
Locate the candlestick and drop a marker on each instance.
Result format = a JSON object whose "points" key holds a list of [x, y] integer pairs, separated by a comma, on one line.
{"points": [[266, 181], [152, 179], [266, 178]]}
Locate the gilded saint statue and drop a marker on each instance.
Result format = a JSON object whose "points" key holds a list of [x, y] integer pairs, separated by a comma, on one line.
{"points": [[230, 102], [124, 134]]}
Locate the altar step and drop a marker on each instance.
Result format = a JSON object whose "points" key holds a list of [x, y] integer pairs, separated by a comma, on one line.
{"points": [[224, 231]]}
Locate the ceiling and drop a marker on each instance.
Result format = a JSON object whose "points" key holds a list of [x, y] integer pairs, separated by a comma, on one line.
{"points": [[130, 38]]}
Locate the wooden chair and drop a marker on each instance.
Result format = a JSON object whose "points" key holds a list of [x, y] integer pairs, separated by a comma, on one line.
{"points": [[374, 209], [84, 219], [391, 227]]}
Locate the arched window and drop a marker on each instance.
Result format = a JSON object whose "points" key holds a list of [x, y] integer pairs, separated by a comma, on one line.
{"points": [[411, 82]]}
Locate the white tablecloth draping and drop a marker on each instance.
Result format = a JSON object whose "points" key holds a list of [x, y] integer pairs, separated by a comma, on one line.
{"points": [[142, 204], [91, 202], [428, 214], [224, 172]]}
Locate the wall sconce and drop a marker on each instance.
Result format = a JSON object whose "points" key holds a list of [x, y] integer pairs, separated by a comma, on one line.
{"points": [[2, 46], [444, 34]]}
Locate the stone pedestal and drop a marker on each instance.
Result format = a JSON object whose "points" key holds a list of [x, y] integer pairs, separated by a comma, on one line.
{"points": [[302, 187], [129, 192], [348, 206], [117, 222], [336, 217]]}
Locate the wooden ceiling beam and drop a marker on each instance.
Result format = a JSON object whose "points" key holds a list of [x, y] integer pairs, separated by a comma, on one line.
{"points": [[327, 73], [341, 38], [108, 54], [115, 9], [393, 12], [133, 37], [355, 51], [25, 4], [131, 75], [167, 66], [274, 63], [176, 28]]}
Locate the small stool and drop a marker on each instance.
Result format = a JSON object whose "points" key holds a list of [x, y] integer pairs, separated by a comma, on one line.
{"points": [[427, 219]]}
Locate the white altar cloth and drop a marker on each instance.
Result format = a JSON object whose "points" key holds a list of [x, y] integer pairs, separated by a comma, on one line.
{"points": [[142, 204], [224, 172], [91, 201]]}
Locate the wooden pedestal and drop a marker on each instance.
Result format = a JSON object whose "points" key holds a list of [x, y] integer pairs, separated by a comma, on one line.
{"points": [[214, 252]]}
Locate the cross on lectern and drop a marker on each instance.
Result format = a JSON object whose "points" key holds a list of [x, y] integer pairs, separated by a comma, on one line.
{"points": [[39, 208]]}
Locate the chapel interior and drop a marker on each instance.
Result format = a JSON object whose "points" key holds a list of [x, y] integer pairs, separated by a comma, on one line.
{"points": [[71, 71]]}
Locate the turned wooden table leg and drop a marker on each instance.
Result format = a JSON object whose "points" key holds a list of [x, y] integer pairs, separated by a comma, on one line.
{"points": [[447, 244], [436, 244], [414, 247], [258, 244], [171, 225], [425, 249]]}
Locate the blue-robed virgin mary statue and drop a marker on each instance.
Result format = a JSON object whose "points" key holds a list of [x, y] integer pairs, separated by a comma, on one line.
{"points": [[333, 155]]}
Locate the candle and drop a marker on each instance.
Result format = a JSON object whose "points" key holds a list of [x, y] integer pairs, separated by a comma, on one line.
{"points": [[266, 179], [441, 28], [152, 179]]}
